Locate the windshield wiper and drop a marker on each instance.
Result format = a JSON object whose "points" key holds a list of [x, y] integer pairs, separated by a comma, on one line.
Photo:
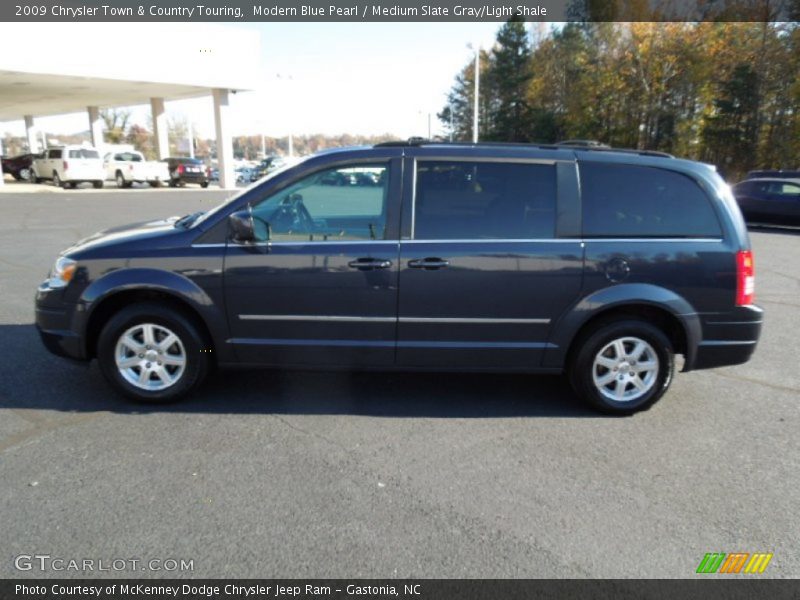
{"points": [[186, 221]]}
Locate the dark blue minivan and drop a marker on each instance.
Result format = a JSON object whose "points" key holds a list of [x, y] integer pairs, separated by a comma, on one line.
{"points": [[599, 263]]}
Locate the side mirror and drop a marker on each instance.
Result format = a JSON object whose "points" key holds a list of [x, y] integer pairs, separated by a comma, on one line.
{"points": [[243, 228], [248, 229]]}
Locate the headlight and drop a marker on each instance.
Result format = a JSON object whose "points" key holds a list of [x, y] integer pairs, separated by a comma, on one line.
{"points": [[62, 272]]}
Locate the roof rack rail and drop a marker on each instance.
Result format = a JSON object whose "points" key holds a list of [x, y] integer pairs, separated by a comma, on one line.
{"points": [[419, 141], [412, 141]]}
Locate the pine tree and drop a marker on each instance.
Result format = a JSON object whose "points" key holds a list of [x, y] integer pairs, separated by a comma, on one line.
{"points": [[509, 76]]}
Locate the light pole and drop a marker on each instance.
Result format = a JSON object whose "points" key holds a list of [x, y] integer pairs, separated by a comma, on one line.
{"points": [[190, 132], [1, 165], [477, 92], [451, 120]]}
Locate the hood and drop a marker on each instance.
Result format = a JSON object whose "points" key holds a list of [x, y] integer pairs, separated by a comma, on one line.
{"points": [[125, 233]]}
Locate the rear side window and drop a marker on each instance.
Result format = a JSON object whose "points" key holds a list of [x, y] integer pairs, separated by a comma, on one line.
{"points": [[83, 153], [634, 201], [55, 154], [484, 200], [780, 188]]}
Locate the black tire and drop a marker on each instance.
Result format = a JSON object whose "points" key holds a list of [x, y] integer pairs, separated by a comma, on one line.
{"points": [[98, 184], [73, 184], [196, 358], [24, 174], [154, 184], [204, 185], [57, 180], [582, 367], [119, 179], [173, 183]]}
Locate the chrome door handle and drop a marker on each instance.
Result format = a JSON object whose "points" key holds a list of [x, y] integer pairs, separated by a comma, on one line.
{"points": [[429, 264], [369, 264]]}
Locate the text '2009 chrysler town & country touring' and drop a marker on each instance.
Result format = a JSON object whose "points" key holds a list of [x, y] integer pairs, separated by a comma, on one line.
{"points": [[602, 264]]}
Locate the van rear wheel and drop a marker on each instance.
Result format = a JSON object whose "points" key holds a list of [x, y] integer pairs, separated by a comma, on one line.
{"points": [[622, 366], [152, 353]]}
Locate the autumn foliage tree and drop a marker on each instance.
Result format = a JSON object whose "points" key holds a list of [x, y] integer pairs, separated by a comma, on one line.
{"points": [[722, 92]]}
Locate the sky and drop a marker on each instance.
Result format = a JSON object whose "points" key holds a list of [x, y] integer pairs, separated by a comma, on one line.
{"points": [[332, 78]]}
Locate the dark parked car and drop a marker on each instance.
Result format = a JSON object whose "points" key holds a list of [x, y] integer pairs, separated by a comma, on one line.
{"points": [[19, 166], [338, 178], [505, 258], [583, 143], [781, 174], [183, 170], [770, 200]]}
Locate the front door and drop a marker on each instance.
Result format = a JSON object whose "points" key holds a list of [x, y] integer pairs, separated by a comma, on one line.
{"points": [[320, 286], [483, 276]]}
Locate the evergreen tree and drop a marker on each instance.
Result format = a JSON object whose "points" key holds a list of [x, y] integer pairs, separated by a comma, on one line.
{"points": [[510, 73], [731, 134]]}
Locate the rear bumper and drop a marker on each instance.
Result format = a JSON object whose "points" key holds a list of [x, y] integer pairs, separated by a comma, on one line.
{"points": [[729, 338], [191, 178]]}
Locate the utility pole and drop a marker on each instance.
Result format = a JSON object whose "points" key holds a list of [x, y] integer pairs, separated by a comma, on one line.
{"points": [[477, 92], [190, 131]]}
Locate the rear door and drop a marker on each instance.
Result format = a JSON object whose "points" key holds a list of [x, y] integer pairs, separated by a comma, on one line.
{"points": [[83, 163], [320, 287], [489, 259], [784, 202]]}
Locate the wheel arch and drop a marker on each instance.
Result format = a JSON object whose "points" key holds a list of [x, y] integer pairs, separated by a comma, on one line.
{"points": [[654, 304], [106, 296]]}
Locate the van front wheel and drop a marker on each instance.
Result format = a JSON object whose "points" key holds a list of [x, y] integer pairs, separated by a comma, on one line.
{"points": [[622, 366], [152, 353]]}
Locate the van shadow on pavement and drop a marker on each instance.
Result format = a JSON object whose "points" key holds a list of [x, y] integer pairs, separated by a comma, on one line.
{"points": [[35, 379]]}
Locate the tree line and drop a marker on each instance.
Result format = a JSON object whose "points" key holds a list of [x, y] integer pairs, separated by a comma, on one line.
{"points": [[245, 147], [727, 93]]}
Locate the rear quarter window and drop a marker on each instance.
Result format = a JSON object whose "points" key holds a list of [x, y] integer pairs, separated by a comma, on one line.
{"points": [[637, 201]]}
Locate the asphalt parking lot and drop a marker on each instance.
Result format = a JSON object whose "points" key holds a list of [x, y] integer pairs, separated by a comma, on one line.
{"points": [[270, 474]]}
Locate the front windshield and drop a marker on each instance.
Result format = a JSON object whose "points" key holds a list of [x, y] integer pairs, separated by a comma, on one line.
{"points": [[221, 207]]}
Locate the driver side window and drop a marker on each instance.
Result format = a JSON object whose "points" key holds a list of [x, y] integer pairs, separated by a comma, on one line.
{"points": [[339, 204]]}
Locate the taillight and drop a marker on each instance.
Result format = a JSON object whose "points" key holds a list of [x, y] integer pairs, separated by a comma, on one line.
{"points": [[130, 167], [745, 278], [181, 169], [65, 165]]}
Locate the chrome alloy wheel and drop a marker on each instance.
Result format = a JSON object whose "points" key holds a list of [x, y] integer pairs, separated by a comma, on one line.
{"points": [[150, 357], [625, 369]]}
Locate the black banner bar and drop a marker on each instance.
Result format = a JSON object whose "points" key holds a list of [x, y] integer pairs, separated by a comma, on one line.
{"points": [[702, 588], [395, 10]]}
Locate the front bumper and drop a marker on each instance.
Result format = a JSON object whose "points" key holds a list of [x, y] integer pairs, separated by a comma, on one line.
{"points": [[54, 322], [730, 338]]}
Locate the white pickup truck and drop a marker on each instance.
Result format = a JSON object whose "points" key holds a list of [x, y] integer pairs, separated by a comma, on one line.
{"points": [[129, 167]]}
